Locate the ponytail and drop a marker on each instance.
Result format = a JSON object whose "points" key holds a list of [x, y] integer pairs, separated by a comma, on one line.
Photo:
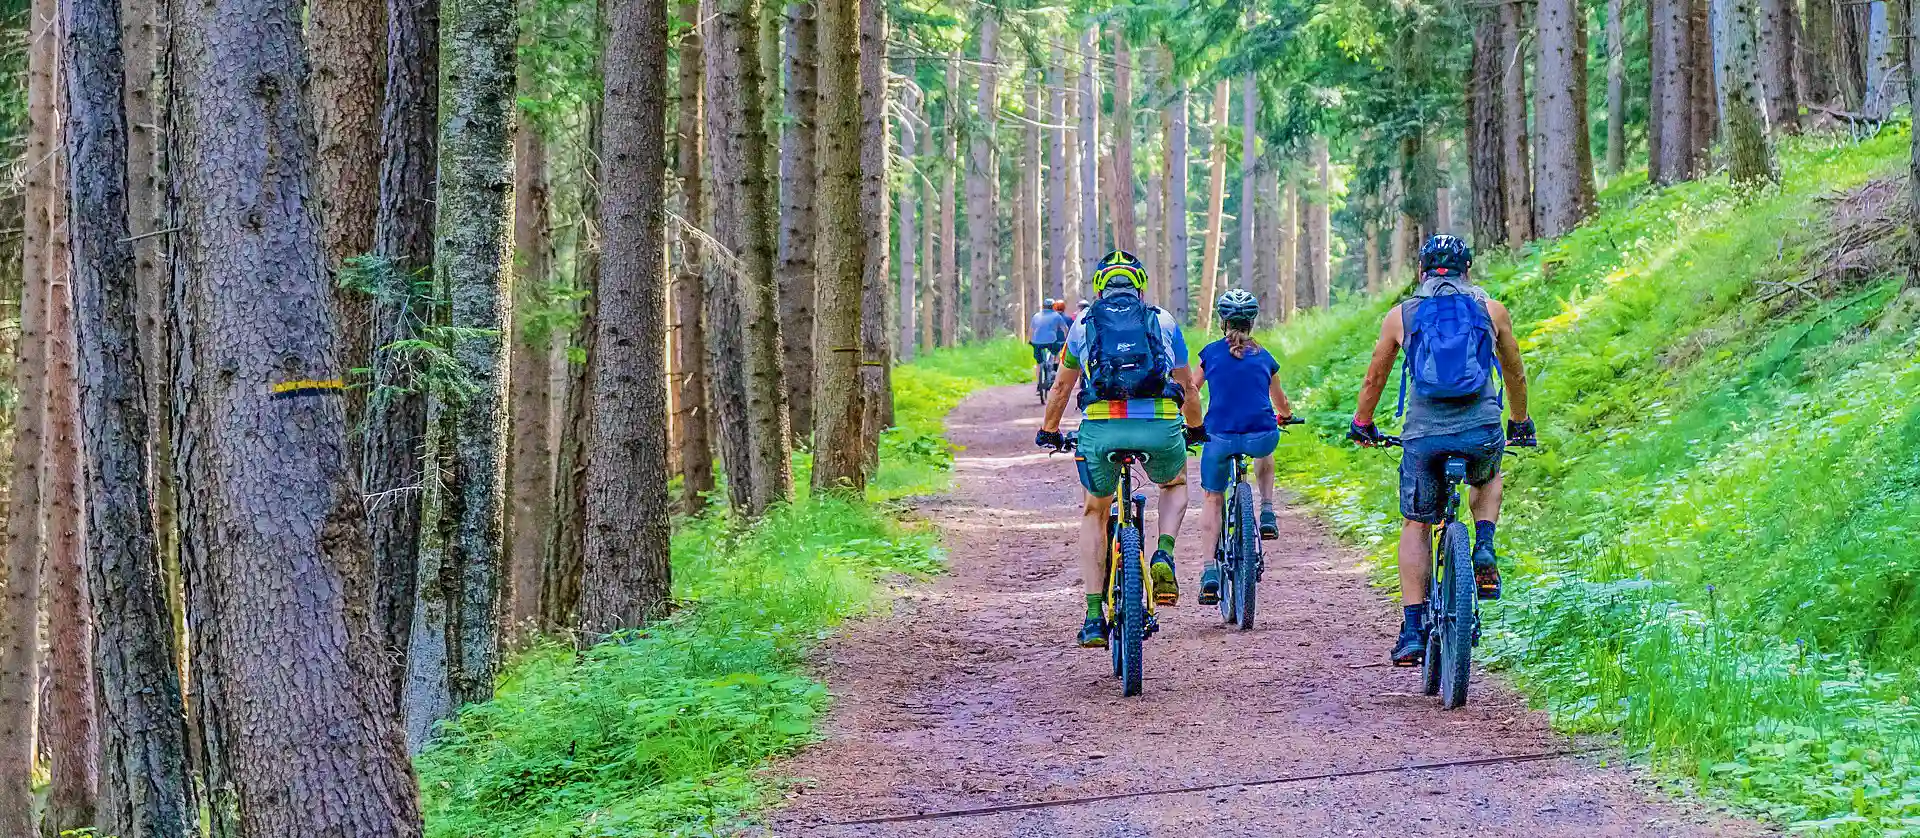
{"points": [[1240, 337]]}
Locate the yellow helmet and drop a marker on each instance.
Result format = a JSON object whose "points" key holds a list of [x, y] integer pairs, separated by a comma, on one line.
{"points": [[1122, 266]]}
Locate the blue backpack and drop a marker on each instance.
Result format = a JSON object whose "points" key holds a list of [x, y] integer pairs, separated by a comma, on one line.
{"points": [[1126, 352], [1449, 343]]}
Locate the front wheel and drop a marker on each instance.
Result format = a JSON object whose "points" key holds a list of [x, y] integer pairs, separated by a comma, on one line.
{"points": [[1246, 561], [1132, 613], [1457, 618]]}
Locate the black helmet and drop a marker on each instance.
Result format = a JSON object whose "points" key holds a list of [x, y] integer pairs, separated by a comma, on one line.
{"points": [[1237, 305], [1445, 255]]}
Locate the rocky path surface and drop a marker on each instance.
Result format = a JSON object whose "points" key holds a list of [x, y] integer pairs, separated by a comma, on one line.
{"points": [[969, 695]]}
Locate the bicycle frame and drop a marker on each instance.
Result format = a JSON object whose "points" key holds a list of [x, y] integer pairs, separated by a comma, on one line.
{"points": [[1127, 511]]}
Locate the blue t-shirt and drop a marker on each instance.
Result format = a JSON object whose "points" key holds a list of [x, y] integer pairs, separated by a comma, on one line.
{"points": [[1238, 401], [1049, 327]]}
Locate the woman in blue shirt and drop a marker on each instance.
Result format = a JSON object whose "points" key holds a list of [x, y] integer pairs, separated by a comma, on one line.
{"points": [[1245, 406]]}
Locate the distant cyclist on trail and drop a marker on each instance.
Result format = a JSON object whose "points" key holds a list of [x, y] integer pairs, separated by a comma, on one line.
{"points": [[1134, 359], [1047, 333], [1245, 407], [1458, 342]]}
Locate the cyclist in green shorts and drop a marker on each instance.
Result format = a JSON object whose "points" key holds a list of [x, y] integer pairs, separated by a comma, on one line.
{"points": [[1134, 360]]}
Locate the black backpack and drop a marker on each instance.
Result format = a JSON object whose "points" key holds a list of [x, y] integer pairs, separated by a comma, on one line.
{"points": [[1126, 352]]}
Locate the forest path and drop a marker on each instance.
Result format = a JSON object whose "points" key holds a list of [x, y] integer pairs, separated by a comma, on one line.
{"points": [[970, 694]]}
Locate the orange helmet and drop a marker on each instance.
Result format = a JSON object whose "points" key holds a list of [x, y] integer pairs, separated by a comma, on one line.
{"points": [[1059, 305]]}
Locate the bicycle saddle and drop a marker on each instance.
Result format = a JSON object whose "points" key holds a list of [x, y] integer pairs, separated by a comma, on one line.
{"points": [[1123, 456]]}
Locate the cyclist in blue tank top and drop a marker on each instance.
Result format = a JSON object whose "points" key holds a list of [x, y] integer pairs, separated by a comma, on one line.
{"points": [[1245, 406]]}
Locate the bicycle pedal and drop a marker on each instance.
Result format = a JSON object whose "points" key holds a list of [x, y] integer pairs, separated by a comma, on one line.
{"points": [[1166, 600]]}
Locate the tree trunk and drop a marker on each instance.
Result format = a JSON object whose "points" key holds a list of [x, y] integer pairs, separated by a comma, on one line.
{"points": [[738, 149], [924, 183], [1486, 138], [565, 561], [21, 586], [1320, 222], [1089, 102], [264, 474], [1817, 46], [530, 463], [1216, 205], [396, 416], [1177, 238], [1156, 238], [1375, 279], [794, 267], [1031, 258], [1249, 114], [626, 579], [1020, 307], [876, 357], [1750, 144], [982, 179], [1124, 218], [1060, 196], [1400, 239], [946, 292], [457, 601], [1442, 186], [1564, 185], [1912, 42], [1616, 90], [1776, 29], [689, 297], [1705, 119], [1518, 174], [347, 38], [142, 733], [841, 254], [1289, 250], [1268, 277], [1880, 63], [904, 203]]}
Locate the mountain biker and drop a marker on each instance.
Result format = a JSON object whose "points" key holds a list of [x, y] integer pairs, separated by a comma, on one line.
{"points": [[1046, 334], [1245, 407], [1135, 361], [1457, 339]]}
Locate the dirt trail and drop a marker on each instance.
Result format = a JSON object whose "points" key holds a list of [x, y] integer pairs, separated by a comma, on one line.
{"points": [[970, 694]]}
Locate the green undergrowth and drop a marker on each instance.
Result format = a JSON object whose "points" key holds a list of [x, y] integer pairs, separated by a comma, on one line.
{"points": [[1714, 549], [665, 732]]}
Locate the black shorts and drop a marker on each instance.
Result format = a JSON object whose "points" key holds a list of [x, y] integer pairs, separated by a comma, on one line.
{"points": [[1423, 464], [1040, 351]]}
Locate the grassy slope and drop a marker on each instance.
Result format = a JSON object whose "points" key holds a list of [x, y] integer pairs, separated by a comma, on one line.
{"points": [[662, 735], [1716, 541]]}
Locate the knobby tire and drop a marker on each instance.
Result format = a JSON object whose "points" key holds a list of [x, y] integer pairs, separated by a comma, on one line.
{"points": [[1456, 635], [1246, 576]]}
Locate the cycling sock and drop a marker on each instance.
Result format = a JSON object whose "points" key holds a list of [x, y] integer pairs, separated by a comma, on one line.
{"points": [[1415, 615], [1166, 544], [1483, 533], [1096, 606]]}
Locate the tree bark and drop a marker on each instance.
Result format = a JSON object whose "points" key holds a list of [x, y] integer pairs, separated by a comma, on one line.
{"points": [[982, 181], [287, 656], [876, 356], [626, 581], [346, 38], [141, 728], [841, 254], [1375, 279], [1320, 225], [1268, 277], [1125, 220], [737, 143], [530, 463], [1177, 237], [1289, 250], [396, 416], [1777, 28], [1249, 114], [794, 266], [565, 561], [1155, 238], [689, 294], [904, 204], [1817, 53], [1442, 186], [1564, 185], [1089, 104], [20, 607], [1750, 144], [1616, 90], [1060, 196], [1912, 42], [1486, 137], [1019, 308], [1031, 258], [1216, 205], [1400, 238], [946, 292], [924, 309], [1513, 115], [1705, 119], [1880, 62]]}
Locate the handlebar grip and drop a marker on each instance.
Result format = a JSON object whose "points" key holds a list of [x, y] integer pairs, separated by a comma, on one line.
{"points": [[1294, 420]]}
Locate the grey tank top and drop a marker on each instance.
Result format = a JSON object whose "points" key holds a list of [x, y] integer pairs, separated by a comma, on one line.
{"points": [[1428, 416]]}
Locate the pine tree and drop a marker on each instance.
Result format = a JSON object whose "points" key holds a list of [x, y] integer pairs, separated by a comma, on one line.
{"points": [[841, 254]]}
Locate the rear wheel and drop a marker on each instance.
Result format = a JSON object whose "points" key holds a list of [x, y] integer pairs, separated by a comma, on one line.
{"points": [[1246, 561], [1132, 612], [1223, 553], [1456, 624]]}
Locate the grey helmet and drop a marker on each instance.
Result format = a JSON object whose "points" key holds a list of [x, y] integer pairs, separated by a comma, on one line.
{"points": [[1237, 305]]}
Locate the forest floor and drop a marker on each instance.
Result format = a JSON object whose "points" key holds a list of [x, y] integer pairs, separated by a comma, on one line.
{"points": [[969, 694]]}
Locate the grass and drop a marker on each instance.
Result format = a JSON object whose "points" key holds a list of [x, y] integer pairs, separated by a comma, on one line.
{"points": [[1714, 549], [664, 733]]}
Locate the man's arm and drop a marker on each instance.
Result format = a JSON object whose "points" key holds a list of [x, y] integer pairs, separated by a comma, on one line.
{"points": [[1513, 371], [1385, 350], [1057, 397], [1190, 406]]}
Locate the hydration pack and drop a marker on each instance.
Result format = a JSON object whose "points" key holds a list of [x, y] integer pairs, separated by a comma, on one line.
{"points": [[1449, 344], [1126, 352]]}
